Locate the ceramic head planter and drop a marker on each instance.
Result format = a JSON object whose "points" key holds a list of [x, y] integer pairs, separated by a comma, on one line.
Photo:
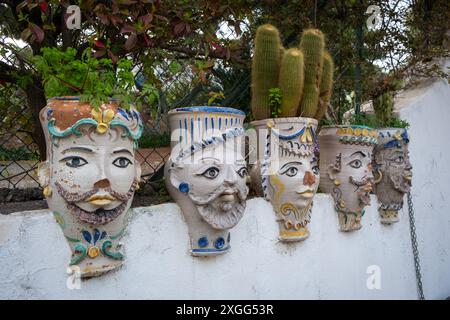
{"points": [[287, 171], [392, 171], [207, 175], [90, 176], [346, 173]]}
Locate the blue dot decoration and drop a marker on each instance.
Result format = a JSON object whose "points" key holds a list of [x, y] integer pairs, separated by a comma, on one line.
{"points": [[220, 242], [183, 187], [203, 242]]}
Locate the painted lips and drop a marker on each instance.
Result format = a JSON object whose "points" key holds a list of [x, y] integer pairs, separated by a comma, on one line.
{"points": [[306, 194], [228, 196], [100, 200]]}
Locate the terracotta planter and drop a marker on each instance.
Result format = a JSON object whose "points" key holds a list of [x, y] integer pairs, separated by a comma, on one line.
{"points": [[286, 172], [392, 171], [206, 174], [89, 178], [345, 170]]}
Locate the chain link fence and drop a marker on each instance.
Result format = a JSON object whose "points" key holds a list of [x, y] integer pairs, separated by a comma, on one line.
{"points": [[179, 86]]}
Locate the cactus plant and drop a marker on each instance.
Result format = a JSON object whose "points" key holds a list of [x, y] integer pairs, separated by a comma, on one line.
{"points": [[312, 45], [326, 85], [383, 106], [291, 82], [265, 69], [304, 77]]}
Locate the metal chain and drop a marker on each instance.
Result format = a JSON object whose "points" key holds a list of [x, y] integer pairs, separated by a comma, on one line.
{"points": [[412, 229]]}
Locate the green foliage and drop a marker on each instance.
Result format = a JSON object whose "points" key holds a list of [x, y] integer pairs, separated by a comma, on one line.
{"points": [[275, 98], [214, 96], [16, 154], [370, 120], [364, 119], [94, 80], [398, 123], [154, 140], [383, 105]]}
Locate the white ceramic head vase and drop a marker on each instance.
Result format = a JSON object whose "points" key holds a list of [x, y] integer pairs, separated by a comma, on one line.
{"points": [[392, 171], [287, 172], [346, 172], [206, 174], [90, 176]]}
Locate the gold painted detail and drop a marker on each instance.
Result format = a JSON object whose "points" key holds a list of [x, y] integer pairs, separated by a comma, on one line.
{"points": [[47, 192], [307, 136], [93, 252], [103, 118], [291, 233]]}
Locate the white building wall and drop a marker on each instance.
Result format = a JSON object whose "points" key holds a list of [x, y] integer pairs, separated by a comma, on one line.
{"points": [[328, 265]]}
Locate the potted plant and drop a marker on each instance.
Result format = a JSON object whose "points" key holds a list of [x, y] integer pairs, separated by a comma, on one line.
{"points": [[346, 172], [391, 165], [206, 174], [90, 174], [291, 89]]}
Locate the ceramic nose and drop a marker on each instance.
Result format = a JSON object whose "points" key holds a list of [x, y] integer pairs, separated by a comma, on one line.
{"points": [[231, 176], [308, 179], [104, 183]]}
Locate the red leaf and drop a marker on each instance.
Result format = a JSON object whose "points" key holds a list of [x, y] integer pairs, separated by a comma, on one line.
{"points": [[115, 20], [26, 33], [216, 46], [148, 41], [100, 53], [128, 29], [146, 19], [178, 28], [113, 57], [99, 44], [43, 6], [103, 18], [38, 32], [131, 41]]}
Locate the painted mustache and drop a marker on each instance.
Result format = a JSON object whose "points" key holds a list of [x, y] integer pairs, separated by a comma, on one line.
{"points": [[89, 196], [360, 183], [221, 190]]}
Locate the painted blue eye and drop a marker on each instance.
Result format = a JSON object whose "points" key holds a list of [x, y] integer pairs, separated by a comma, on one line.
{"points": [[75, 162], [315, 170], [211, 173], [243, 172], [122, 162]]}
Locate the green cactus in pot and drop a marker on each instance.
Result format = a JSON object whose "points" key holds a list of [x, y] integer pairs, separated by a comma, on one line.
{"points": [[303, 75]]}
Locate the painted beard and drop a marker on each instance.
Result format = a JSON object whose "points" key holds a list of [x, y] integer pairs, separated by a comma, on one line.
{"points": [[400, 183], [100, 216], [223, 208], [364, 187]]}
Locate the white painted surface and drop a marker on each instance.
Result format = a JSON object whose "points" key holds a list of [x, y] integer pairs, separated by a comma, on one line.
{"points": [[428, 112], [330, 264]]}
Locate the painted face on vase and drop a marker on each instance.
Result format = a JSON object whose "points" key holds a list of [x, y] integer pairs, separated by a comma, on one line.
{"points": [[288, 172], [393, 172], [89, 178], [207, 174], [345, 163]]}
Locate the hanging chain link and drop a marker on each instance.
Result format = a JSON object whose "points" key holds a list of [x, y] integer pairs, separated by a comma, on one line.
{"points": [[412, 229]]}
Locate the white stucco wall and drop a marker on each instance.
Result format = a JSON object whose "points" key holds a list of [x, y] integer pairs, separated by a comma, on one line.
{"points": [[330, 264]]}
